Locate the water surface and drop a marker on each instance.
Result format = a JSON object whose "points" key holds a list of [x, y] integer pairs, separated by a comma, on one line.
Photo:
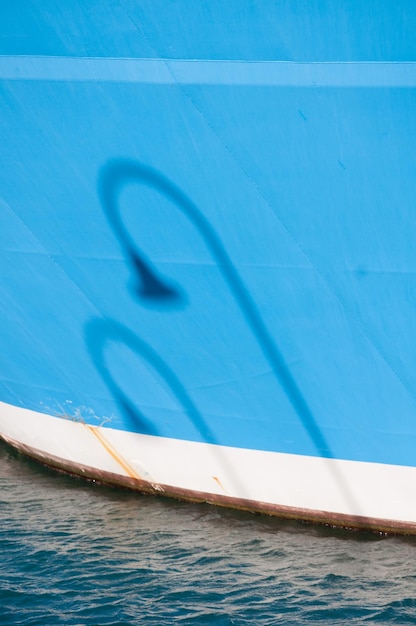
{"points": [[78, 553]]}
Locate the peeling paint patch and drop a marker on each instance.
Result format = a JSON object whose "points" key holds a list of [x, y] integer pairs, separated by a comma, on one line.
{"points": [[145, 475], [143, 472], [80, 414]]}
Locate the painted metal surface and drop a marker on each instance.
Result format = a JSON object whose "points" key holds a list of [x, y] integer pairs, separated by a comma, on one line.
{"points": [[350, 494], [210, 239]]}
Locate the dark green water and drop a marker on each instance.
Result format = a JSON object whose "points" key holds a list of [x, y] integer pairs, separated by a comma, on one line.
{"points": [[76, 553]]}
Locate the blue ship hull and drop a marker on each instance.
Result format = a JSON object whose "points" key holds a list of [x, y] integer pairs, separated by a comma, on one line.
{"points": [[207, 247]]}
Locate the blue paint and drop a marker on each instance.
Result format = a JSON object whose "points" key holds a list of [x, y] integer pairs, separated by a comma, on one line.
{"points": [[245, 30], [265, 210]]}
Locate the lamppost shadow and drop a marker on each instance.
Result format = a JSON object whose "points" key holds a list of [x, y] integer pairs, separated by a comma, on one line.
{"points": [[163, 293]]}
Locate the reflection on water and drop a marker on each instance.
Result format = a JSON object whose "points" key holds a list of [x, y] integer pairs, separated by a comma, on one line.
{"points": [[78, 553]]}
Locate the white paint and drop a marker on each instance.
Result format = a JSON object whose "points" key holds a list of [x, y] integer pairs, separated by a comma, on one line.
{"points": [[340, 487]]}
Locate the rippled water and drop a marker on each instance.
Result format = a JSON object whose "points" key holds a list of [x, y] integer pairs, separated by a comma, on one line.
{"points": [[76, 553]]}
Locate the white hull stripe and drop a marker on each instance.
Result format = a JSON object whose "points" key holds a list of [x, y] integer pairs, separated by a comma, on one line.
{"points": [[346, 493]]}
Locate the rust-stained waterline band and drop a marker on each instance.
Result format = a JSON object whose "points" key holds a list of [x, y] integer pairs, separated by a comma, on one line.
{"points": [[350, 522]]}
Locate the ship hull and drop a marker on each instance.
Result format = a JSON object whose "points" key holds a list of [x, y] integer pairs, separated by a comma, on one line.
{"points": [[208, 271]]}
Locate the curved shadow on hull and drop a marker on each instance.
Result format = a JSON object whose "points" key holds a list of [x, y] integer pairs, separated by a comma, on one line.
{"points": [[114, 175], [151, 285], [99, 333]]}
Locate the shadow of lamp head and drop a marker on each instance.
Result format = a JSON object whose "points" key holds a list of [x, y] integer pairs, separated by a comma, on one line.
{"points": [[148, 284]]}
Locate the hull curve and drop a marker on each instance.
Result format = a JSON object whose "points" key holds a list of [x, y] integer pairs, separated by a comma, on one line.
{"points": [[207, 261], [337, 493]]}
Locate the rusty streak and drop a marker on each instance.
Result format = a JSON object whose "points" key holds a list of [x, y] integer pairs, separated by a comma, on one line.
{"points": [[113, 452]]}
